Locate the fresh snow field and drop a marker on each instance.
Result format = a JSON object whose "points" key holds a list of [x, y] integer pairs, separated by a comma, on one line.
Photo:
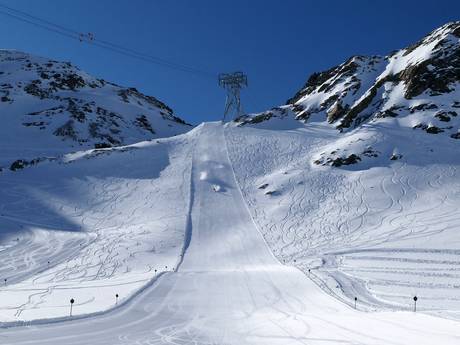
{"points": [[235, 257], [95, 225], [383, 231]]}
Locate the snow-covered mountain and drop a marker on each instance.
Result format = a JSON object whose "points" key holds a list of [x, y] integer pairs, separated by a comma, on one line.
{"points": [[357, 177], [415, 89], [49, 108], [300, 224]]}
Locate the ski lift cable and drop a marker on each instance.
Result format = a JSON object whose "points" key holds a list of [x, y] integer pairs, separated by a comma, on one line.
{"points": [[118, 49], [103, 44], [90, 39]]}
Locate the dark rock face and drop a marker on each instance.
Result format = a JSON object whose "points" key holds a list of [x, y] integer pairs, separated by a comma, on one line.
{"points": [[336, 112], [334, 161], [102, 146], [351, 159], [56, 99], [423, 107], [358, 90], [429, 129], [442, 116], [143, 122], [259, 118], [19, 164], [22, 163], [66, 130], [319, 79], [372, 100], [435, 75], [131, 93]]}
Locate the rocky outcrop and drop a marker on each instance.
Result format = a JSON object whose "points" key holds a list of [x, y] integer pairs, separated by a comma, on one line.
{"points": [[365, 88], [61, 108]]}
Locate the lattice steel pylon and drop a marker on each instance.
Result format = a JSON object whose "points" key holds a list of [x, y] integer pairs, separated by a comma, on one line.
{"points": [[233, 83]]}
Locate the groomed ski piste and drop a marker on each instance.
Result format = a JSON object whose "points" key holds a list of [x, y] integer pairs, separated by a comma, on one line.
{"points": [[199, 253]]}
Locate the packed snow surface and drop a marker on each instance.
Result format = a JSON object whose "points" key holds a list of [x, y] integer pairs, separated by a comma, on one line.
{"points": [[209, 206], [90, 227], [381, 230]]}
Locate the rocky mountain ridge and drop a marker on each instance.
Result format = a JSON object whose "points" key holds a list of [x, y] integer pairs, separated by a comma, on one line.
{"points": [[53, 108], [415, 88]]}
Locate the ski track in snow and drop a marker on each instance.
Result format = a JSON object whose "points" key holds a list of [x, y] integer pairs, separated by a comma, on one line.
{"points": [[110, 240], [383, 247], [228, 287]]}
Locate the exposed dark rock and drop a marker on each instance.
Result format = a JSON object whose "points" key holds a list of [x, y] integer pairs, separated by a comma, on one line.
{"points": [[102, 146], [434, 130], [126, 93], [422, 107], [75, 110], [34, 89], [351, 159], [363, 104], [143, 122], [369, 152], [18, 164], [429, 129], [34, 124], [438, 74], [318, 80], [66, 130], [336, 112], [22, 163], [49, 112], [386, 113], [265, 116], [442, 116]]}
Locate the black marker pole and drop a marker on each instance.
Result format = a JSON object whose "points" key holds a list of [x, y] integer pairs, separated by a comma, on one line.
{"points": [[71, 305]]}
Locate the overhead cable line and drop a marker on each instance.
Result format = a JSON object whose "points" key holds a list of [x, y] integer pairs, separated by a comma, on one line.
{"points": [[90, 39]]}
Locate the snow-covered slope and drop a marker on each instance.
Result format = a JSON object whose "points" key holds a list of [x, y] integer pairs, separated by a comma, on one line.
{"points": [[363, 206], [229, 289], [420, 79], [413, 90], [357, 179], [382, 234], [91, 225], [48, 108]]}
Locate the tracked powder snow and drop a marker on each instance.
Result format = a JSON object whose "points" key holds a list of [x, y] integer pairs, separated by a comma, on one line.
{"points": [[260, 231]]}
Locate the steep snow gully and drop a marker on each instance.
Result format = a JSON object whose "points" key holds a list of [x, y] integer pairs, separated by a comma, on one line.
{"points": [[229, 288]]}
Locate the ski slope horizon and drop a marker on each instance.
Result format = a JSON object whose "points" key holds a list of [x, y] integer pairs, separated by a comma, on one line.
{"points": [[229, 288]]}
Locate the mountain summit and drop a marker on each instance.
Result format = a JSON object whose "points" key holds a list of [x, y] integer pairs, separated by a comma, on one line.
{"points": [[49, 108], [364, 88], [414, 88]]}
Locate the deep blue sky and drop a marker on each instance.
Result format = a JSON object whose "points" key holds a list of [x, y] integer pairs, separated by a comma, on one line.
{"points": [[277, 43]]}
